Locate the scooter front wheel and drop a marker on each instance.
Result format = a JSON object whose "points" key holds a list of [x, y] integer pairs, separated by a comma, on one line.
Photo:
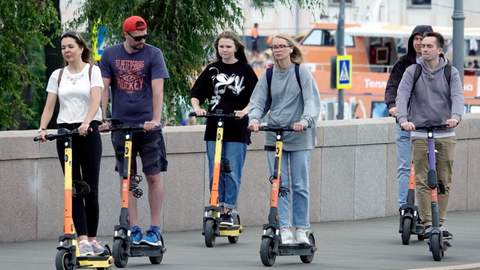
{"points": [[309, 258], [120, 256], [436, 247], [210, 233], [63, 260], [157, 259], [406, 231], [266, 251]]}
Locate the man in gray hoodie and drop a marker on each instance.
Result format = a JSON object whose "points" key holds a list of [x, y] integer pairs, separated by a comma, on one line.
{"points": [[402, 138], [431, 101]]}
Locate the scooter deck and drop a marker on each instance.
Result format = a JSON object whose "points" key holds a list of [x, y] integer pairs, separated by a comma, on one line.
{"points": [[226, 230], [95, 261], [143, 250], [296, 249]]}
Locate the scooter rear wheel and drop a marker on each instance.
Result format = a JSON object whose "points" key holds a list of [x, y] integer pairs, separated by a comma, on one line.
{"points": [[233, 239], [436, 247], [236, 221], [266, 251], [120, 256], [309, 258], [406, 231], [63, 260], [210, 233], [156, 260]]}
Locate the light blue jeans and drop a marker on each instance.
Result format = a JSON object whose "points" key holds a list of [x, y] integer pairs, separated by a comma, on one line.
{"points": [[295, 177], [229, 183], [404, 158]]}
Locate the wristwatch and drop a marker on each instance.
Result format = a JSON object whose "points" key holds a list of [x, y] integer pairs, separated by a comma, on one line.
{"points": [[41, 129]]}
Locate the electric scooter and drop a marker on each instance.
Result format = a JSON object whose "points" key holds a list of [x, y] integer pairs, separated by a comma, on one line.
{"points": [[68, 253], [437, 243], [212, 227], [271, 245], [122, 243], [409, 218]]}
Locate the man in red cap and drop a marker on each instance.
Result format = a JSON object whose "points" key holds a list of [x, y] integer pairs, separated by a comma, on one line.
{"points": [[135, 71]]}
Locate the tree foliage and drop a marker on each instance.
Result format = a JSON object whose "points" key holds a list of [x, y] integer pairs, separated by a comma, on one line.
{"points": [[184, 30], [22, 28]]}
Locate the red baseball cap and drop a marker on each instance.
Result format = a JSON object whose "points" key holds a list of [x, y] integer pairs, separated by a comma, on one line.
{"points": [[134, 23]]}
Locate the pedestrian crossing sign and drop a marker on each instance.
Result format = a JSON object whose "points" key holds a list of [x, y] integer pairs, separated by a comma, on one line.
{"points": [[344, 72]]}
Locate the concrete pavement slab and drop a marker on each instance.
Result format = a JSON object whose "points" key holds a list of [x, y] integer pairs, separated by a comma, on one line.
{"points": [[366, 244]]}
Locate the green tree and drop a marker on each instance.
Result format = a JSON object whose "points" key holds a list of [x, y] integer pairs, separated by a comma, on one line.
{"points": [[184, 30], [22, 27]]}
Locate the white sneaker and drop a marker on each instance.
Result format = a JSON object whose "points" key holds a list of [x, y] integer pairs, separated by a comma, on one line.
{"points": [[287, 236], [97, 248], [85, 248], [301, 236]]}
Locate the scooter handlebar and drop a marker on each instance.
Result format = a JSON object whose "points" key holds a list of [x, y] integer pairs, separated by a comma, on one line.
{"points": [[61, 133], [125, 127], [433, 127], [116, 125], [274, 129], [213, 115]]}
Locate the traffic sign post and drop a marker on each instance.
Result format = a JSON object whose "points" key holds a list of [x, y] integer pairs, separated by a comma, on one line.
{"points": [[344, 71]]}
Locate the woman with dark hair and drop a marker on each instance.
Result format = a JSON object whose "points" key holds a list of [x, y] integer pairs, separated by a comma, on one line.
{"points": [[78, 87], [226, 85]]}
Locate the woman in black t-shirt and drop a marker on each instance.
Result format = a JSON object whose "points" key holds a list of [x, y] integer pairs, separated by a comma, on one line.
{"points": [[226, 85]]}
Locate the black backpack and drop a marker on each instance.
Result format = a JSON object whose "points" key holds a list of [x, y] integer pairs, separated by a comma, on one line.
{"points": [[269, 82], [447, 71]]}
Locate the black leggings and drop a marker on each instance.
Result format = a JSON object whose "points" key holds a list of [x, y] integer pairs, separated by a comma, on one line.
{"points": [[87, 153]]}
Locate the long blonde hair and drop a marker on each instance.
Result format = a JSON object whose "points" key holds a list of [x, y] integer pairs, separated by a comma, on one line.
{"points": [[296, 55]]}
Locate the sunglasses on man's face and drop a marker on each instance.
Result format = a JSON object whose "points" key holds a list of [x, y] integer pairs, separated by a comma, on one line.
{"points": [[138, 38]]}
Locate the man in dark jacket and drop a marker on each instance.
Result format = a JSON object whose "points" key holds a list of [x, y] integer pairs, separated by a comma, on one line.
{"points": [[403, 137]]}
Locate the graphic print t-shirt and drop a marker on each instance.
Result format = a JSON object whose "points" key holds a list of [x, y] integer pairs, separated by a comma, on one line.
{"points": [[131, 81], [226, 87]]}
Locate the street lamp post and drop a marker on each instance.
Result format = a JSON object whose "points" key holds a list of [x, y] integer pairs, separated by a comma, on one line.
{"points": [[341, 51], [458, 18]]}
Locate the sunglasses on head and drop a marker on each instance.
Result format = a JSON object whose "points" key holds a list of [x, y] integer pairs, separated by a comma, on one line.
{"points": [[73, 35], [138, 38]]}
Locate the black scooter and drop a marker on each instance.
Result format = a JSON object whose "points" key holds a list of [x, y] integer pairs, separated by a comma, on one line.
{"points": [[409, 218], [271, 245], [212, 227], [122, 243], [68, 253], [437, 243]]}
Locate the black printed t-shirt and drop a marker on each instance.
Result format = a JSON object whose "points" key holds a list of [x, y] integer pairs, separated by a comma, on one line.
{"points": [[226, 87]]}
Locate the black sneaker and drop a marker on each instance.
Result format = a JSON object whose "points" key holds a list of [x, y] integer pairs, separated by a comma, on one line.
{"points": [[226, 219]]}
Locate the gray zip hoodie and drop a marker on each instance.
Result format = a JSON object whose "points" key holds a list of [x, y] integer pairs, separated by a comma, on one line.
{"points": [[288, 106], [431, 102]]}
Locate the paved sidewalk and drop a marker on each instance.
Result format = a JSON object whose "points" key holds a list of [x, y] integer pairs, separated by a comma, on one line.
{"points": [[368, 244]]}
